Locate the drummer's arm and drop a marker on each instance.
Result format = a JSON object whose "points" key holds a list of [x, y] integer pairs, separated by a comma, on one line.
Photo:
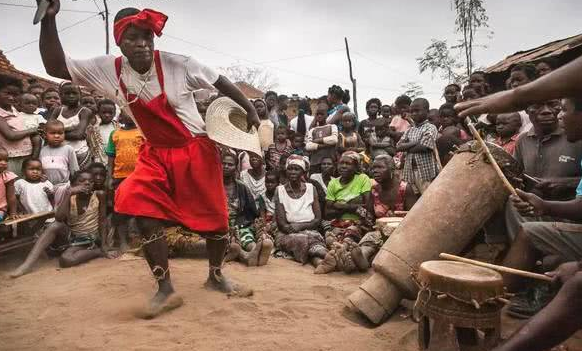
{"points": [[571, 210], [51, 50]]}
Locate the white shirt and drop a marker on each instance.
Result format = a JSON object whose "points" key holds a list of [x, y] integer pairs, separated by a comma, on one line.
{"points": [[525, 122], [182, 76], [308, 120], [297, 210], [33, 197], [32, 120]]}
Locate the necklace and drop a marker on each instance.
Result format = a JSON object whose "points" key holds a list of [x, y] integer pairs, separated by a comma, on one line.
{"points": [[295, 195], [147, 76]]}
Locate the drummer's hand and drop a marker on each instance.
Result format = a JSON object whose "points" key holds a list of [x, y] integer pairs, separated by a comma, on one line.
{"points": [[528, 204], [53, 8], [496, 103], [253, 118], [564, 272]]}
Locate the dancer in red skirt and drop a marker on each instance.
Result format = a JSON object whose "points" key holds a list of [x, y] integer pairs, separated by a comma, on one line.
{"points": [[178, 177]]}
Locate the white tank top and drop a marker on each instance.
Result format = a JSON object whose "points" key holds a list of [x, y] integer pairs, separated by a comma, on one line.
{"points": [[297, 210], [80, 146]]}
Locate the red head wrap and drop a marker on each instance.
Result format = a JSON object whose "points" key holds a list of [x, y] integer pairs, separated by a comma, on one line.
{"points": [[147, 18]]}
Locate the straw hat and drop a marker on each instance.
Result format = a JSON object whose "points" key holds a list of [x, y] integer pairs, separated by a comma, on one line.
{"points": [[226, 123]]}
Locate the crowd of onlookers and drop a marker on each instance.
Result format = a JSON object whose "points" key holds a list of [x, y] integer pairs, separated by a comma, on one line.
{"points": [[314, 194]]}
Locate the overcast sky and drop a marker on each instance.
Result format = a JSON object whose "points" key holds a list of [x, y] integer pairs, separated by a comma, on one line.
{"points": [[385, 37]]}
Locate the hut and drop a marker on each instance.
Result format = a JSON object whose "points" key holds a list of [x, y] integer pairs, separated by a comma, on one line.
{"points": [[6, 67], [561, 51]]}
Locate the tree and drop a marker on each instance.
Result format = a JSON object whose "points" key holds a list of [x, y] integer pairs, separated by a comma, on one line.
{"points": [[412, 90], [260, 78], [438, 58], [471, 16]]}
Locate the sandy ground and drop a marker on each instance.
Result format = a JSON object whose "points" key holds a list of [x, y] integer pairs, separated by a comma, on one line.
{"points": [[90, 307]]}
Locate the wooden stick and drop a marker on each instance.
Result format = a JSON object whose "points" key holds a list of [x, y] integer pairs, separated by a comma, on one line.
{"points": [[30, 217], [498, 170], [495, 267]]}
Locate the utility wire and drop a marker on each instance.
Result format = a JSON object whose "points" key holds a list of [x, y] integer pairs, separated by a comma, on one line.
{"points": [[34, 7], [59, 31], [96, 5]]}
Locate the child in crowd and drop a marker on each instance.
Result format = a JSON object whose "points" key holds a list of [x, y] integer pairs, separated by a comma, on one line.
{"points": [[58, 159], [88, 101], [448, 123], [349, 139], [321, 140], [366, 127], [478, 79], [106, 111], [75, 118], [452, 93], [266, 128], [36, 90], [419, 144], [123, 150], [399, 112], [34, 194], [14, 137], [267, 200], [521, 74], [434, 117], [380, 141], [50, 99], [99, 172], [299, 145], [507, 127], [386, 112], [79, 228], [8, 203], [28, 106], [282, 146]]}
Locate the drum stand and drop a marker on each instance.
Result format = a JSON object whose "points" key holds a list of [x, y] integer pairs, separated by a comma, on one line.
{"points": [[457, 327]]}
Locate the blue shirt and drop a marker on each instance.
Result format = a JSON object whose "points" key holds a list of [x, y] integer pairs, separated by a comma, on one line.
{"points": [[579, 188]]}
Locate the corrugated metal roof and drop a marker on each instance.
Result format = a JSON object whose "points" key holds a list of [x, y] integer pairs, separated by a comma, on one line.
{"points": [[550, 49], [6, 67]]}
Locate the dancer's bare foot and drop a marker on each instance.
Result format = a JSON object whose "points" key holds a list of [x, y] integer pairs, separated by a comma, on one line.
{"points": [[328, 264], [218, 282], [360, 261], [233, 253], [162, 302]]}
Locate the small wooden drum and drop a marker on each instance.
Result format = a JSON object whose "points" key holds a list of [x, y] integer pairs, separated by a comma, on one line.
{"points": [[387, 225], [464, 304]]}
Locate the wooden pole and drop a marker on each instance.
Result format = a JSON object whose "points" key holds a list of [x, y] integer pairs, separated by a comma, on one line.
{"points": [[354, 94], [490, 157], [495, 267], [106, 27]]}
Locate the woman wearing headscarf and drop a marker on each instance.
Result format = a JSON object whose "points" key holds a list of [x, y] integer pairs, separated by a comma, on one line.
{"points": [[298, 215], [347, 197]]}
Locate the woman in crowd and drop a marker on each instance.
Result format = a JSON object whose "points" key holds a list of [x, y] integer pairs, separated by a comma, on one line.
{"points": [[389, 194], [254, 177], [242, 211], [321, 139], [76, 119], [347, 197], [299, 216]]}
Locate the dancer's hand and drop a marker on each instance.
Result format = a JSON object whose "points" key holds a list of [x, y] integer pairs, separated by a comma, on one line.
{"points": [[53, 8], [253, 119]]}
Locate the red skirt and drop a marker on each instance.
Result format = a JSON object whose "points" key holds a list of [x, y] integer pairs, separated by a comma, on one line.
{"points": [[181, 185]]}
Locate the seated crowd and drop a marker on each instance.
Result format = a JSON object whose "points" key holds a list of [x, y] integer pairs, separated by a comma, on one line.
{"points": [[313, 195]]}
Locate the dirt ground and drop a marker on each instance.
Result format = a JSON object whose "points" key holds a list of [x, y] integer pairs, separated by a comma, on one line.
{"points": [[91, 307]]}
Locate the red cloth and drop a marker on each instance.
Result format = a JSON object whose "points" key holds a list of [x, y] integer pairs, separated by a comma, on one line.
{"points": [[147, 18], [178, 177]]}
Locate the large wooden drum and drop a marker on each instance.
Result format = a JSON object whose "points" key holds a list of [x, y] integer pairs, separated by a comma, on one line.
{"points": [[446, 218], [459, 306]]}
